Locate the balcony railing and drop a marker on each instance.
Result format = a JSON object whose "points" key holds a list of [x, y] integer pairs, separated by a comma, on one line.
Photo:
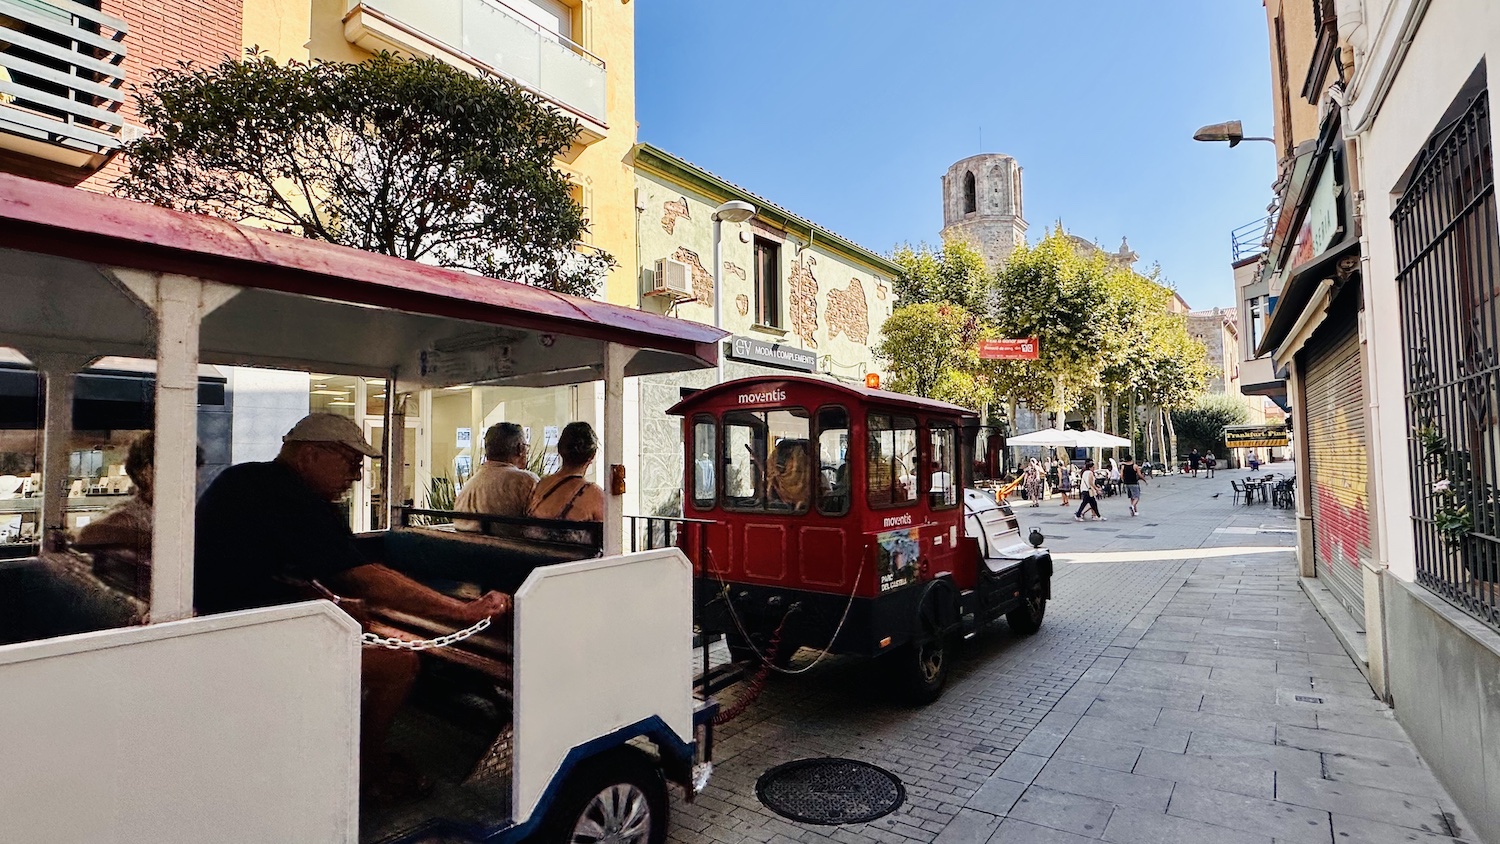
{"points": [[63, 78], [1251, 238], [493, 36]]}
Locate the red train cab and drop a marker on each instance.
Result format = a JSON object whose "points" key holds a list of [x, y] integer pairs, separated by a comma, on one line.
{"points": [[839, 518]]}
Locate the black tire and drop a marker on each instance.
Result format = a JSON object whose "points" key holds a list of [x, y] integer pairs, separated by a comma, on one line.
{"points": [[621, 791], [920, 667], [1026, 619]]}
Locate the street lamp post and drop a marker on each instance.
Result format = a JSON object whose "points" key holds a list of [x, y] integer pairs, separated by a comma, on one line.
{"points": [[1232, 131], [733, 211]]}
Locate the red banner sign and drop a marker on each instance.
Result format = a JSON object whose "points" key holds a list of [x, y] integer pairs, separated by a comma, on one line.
{"points": [[1022, 349]]}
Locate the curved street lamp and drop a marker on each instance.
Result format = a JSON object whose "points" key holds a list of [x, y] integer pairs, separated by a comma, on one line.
{"points": [[1232, 131]]}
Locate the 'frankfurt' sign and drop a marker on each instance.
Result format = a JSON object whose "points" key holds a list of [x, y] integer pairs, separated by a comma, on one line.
{"points": [[752, 350]]}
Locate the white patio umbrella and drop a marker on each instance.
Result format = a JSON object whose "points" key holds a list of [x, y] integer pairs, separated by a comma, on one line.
{"points": [[1099, 439], [1047, 437]]}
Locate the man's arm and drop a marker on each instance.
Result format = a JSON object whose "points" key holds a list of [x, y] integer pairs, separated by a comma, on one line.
{"points": [[383, 586]]}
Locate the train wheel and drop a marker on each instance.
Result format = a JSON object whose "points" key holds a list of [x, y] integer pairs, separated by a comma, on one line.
{"points": [[620, 796], [1027, 618], [920, 667]]}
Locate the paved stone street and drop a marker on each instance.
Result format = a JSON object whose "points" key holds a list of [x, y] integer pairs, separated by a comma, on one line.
{"points": [[1182, 689]]}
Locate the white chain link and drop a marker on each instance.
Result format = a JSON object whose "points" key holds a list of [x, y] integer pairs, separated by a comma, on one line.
{"points": [[392, 643]]}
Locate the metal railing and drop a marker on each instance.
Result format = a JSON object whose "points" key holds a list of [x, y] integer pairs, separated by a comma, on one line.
{"points": [[63, 74], [1448, 258], [1251, 238], [648, 533], [490, 34]]}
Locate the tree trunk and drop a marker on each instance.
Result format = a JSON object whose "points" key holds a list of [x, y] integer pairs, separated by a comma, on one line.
{"points": [[1172, 434], [1062, 416], [1132, 424], [1098, 423]]}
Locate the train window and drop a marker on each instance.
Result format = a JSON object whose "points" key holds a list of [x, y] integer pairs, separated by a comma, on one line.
{"points": [[892, 460], [705, 445], [833, 461], [768, 465], [943, 451]]}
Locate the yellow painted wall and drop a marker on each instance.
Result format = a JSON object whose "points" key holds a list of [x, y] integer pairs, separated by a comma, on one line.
{"points": [[314, 29]]}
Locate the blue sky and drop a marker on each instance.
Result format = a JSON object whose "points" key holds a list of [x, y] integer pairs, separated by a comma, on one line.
{"points": [[848, 112]]}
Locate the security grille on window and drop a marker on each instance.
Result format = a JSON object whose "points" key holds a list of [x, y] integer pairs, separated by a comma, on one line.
{"points": [[1448, 258], [767, 283]]}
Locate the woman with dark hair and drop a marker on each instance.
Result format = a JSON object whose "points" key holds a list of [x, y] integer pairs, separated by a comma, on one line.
{"points": [[565, 494]]}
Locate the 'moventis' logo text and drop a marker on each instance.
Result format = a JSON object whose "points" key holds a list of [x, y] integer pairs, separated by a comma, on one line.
{"points": [[897, 521], [762, 398]]}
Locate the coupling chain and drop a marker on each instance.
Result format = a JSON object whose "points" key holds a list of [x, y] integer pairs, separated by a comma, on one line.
{"points": [[395, 644]]}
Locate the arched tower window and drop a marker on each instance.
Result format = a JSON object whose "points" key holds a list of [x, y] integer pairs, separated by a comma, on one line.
{"points": [[970, 201]]}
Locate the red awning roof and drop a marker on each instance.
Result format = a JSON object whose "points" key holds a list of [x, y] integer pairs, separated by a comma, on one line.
{"points": [[82, 225]]}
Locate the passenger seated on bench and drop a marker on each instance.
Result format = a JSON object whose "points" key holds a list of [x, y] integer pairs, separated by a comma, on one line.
{"points": [[502, 486], [120, 540], [264, 527], [564, 494], [788, 479]]}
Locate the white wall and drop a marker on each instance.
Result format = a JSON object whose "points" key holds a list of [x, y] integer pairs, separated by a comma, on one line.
{"points": [[267, 403], [1454, 36], [240, 727]]}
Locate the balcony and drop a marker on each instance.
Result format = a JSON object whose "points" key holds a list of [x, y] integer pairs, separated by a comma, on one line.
{"points": [[60, 90], [1250, 240], [487, 36]]}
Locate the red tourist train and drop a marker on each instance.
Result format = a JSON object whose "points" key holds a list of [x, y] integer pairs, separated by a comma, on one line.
{"points": [[844, 519]]}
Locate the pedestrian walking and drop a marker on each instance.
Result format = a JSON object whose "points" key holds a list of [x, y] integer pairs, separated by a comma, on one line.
{"points": [[1065, 481], [1088, 493], [1209, 462], [1194, 461], [1035, 482], [1132, 477]]}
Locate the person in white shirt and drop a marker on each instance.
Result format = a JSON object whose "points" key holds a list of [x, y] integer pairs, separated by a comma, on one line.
{"points": [[1088, 490], [502, 486]]}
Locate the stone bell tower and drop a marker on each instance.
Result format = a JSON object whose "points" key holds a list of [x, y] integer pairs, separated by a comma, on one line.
{"points": [[982, 204]]}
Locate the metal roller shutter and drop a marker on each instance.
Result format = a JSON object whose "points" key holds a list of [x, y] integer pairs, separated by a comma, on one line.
{"points": [[1339, 469]]}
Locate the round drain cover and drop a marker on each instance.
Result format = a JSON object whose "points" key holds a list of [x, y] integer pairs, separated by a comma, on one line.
{"points": [[830, 791]]}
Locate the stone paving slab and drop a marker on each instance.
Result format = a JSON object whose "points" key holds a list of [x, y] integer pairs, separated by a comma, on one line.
{"points": [[1182, 689]]}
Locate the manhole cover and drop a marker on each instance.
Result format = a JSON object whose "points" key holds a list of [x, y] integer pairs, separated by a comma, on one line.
{"points": [[830, 791]]}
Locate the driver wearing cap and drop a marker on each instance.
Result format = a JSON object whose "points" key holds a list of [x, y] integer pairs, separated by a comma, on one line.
{"points": [[264, 527]]}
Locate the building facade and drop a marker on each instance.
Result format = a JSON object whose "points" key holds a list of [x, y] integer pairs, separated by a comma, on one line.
{"points": [[1384, 271], [796, 298]]}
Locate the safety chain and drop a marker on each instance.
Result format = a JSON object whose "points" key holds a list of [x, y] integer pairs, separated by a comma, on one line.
{"points": [[392, 643]]}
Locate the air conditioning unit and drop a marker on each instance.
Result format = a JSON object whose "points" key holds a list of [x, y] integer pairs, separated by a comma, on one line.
{"points": [[673, 278]]}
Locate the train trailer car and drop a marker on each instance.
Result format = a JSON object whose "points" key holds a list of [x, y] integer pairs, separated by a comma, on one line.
{"points": [[841, 518]]}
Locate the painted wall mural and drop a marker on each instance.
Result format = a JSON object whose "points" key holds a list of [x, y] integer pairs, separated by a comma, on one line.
{"points": [[672, 211], [848, 313], [703, 281], [803, 302]]}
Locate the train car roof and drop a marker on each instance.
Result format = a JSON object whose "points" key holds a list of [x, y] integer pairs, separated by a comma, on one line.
{"points": [[855, 393], [313, 302]]}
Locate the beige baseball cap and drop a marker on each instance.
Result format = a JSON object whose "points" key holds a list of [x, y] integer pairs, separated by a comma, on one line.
{"points": [[330, 428]]}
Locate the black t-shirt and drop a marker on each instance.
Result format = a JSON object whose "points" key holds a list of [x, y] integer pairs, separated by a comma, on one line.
{"points": [[1129, 474], [260, 521]]}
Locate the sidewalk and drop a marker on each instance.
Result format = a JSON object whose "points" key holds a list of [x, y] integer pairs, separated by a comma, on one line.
{"points": [[1226, 711]]}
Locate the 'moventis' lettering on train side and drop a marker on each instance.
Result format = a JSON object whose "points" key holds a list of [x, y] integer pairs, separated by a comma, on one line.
{"points": [[897, 521], [762, 398]]}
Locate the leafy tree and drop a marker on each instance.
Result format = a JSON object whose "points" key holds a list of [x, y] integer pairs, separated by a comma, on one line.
{"points": [[411, 158], [1201, 425], [956, 274], [1050, 292], [933, 351]]}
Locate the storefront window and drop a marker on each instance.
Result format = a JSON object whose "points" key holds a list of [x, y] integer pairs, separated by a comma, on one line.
{"points": [[892, 460]]}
